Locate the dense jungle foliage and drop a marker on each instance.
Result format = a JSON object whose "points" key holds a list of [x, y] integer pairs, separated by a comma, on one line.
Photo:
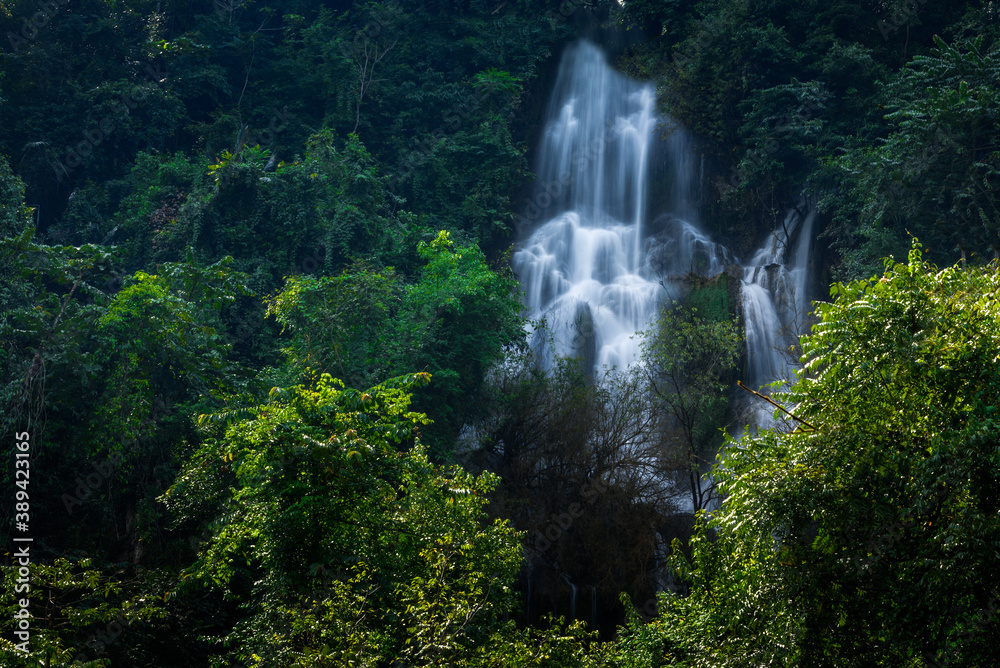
{"points": [[265, 392]]}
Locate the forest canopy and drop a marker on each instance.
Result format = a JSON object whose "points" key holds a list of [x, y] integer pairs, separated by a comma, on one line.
{"points": [[266, 360]]}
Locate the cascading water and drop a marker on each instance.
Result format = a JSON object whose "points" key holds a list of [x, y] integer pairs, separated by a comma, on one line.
{"points": [[595, 268], [584, 269], [775, 304]]}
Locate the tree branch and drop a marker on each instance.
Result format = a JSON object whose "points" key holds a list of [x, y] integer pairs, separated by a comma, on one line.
{"points": [[776, 405]]}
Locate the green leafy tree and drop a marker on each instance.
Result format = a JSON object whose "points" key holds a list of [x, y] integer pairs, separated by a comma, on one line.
{"points": [[13, 213], [106, 385], [49, 313], [181, 356], [342, 541], [75, 612], [344, 324], [462, 316], [454, 322], [359, 216], [16, 290], [689, 360], [866, 536], [937, 174]]}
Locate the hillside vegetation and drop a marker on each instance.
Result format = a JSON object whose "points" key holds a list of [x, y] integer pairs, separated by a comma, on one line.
{"points": [[265, 392]]}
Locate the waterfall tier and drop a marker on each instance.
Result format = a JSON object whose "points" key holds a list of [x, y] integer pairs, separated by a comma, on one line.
{"points": [[584, 269], [774, 298], [596, 267]]}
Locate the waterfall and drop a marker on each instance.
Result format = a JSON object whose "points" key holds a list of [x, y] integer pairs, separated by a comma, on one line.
{"points": [[572, 596], [585, 269], [595, 267], [775, 302]]}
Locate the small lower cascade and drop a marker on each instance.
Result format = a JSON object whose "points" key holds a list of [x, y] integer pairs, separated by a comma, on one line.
{"points": [[775, 303], [572, 596]]}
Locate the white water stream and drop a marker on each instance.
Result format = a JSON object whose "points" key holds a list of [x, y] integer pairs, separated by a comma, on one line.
{"points": [[597, 265], [583, 268], [775, 305]]}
